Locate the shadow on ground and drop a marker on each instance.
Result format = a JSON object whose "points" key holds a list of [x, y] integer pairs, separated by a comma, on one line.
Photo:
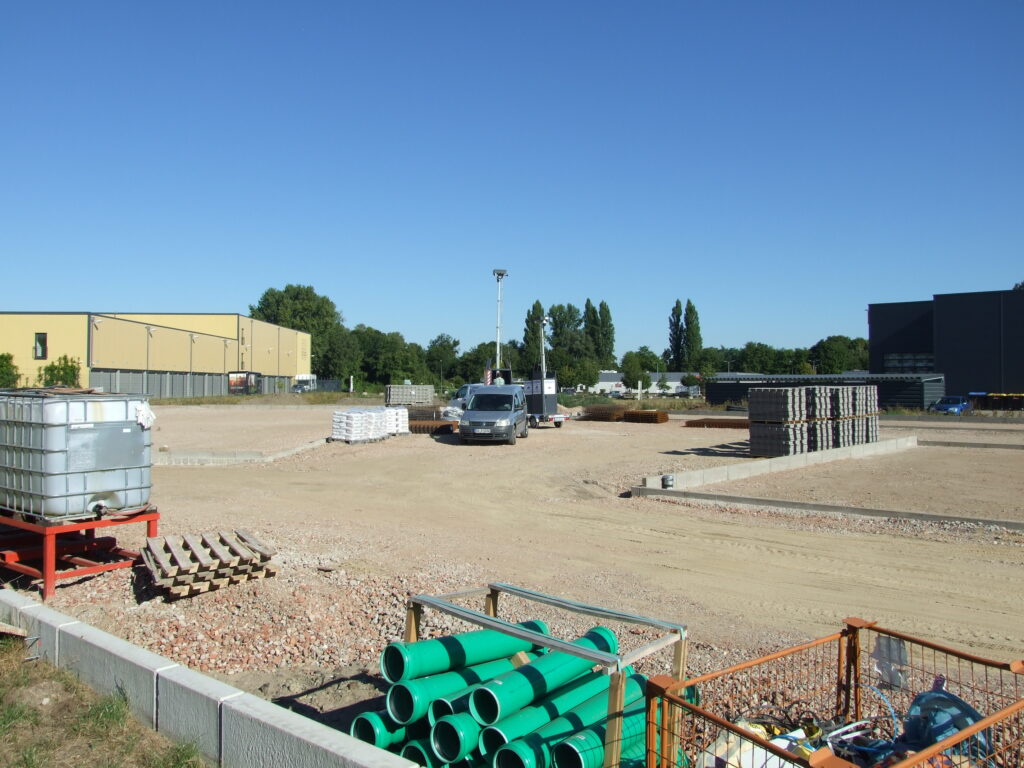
{"points": [[739, 449], [335, 702]]}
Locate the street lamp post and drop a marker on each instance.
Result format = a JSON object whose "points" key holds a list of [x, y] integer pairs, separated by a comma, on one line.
{"points": [[543, 364], [499, 274]]}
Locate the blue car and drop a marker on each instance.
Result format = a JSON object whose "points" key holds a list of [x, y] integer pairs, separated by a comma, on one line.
{"points": [[954, 404]]}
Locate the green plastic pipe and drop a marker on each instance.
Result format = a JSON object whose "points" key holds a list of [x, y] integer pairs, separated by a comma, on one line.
{"points": [[586, 748], [534, 749], [404, 661], [514, 690], [379, 729], [419, 751], [454, 737], [450, 704], [409, 700], [530, 718]]}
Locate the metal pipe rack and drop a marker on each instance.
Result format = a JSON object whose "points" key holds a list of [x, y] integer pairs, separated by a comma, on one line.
{"points": [[68, 544], [613, 664]]}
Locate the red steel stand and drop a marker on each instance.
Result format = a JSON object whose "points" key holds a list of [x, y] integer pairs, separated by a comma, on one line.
{"points": [[68, 543]]}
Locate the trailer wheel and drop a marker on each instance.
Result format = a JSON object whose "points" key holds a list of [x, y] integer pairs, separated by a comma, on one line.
{"points": [[533, 422], [558, 425]]}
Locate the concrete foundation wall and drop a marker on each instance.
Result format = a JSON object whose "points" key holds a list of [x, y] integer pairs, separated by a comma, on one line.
{"points": [[681, 481], [228, 726]]}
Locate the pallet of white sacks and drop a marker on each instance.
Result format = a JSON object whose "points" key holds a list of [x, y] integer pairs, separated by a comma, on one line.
{"points": [[190, 564]]}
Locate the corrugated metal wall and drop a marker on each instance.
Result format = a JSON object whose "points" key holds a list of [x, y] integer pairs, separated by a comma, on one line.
{"points": [[169, 384]]}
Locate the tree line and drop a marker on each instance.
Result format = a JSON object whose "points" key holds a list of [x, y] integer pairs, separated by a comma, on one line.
{"points": [[579, 344]]}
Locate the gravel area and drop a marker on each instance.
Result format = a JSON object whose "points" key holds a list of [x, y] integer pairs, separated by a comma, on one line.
{"points": [[358, 527]]}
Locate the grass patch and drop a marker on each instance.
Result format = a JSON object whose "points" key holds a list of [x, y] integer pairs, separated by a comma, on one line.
{"points": [[48, 718]]}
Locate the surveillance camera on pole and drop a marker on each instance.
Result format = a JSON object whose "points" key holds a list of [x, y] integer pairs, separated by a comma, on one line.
{"points": [[499, 274]]}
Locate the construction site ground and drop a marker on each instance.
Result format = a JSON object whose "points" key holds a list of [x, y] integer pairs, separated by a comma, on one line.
{"points": [[358, 527]]}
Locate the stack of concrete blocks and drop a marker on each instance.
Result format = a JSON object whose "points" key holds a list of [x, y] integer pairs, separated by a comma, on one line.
{"points": [[790, 420], [819, 414], [778, 425]]}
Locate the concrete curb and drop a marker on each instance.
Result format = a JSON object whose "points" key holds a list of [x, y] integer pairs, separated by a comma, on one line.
{"points": [[227, 725], [221, 458], [809, 506], [953, 444], [651, 485]]}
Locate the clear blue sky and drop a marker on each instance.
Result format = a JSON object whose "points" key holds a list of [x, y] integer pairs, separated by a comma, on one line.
{"points": [[781, 164]]}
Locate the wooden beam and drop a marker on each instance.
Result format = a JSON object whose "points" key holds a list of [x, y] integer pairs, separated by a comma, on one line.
{"points": [[413, 613], [613, 728]]}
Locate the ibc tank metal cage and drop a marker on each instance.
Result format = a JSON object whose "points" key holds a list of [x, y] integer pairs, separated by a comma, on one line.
{"points": [[837, 702], [73, 454]]}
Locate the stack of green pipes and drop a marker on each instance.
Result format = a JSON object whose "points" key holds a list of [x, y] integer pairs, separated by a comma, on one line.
{"points": [[461, 701]]}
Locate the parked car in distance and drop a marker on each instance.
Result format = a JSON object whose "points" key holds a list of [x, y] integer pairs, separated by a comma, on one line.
{"points": [[954, 404], [461, 397], [495, 413]]}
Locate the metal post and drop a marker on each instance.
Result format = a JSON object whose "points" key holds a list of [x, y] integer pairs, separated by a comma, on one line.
{"points": [[499, 274], [543, 365]]}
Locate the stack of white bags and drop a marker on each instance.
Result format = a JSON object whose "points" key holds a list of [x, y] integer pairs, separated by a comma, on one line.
{"points": [[363, 425]]}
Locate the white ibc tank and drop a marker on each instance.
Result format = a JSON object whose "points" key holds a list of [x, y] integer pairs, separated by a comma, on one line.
{"points": [[65, 456]]}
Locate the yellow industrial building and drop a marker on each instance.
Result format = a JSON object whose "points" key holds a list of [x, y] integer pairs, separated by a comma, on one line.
{"points": [[163, 355]]}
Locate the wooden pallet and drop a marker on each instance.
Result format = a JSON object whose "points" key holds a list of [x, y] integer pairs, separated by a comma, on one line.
{"points": [[193, 563]]}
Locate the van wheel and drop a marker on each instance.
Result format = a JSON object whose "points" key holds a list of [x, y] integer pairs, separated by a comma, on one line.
{"points": [[512, 437], [526, 430]]}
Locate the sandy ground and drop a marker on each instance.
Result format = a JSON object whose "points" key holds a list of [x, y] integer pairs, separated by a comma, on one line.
{"points": [[358, 525], [550, 514]]}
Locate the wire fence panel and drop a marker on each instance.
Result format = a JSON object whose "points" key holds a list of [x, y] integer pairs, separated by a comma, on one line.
{"points": [[865, 697]]}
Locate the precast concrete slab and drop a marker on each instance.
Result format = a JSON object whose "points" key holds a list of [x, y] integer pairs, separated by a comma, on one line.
{"points": [[108, 664], [259, 734], [11, 602], [189, 708], [42, 624]]}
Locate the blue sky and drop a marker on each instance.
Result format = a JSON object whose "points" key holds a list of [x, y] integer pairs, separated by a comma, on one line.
{"points": [[780, 164]]}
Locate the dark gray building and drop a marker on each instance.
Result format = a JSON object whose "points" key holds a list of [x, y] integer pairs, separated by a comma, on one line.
{"points": [[975, 339]]}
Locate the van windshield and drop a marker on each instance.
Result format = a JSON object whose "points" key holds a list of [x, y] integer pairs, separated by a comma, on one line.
{"points": [[488, 401]]}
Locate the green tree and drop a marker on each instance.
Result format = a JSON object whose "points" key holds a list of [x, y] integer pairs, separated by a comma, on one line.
{"points": [[569, 344], [605, 351], [707, 374], [648, 359], [663, 384], [62, 372], [1019, 286], [532, 330], [836, 354], [587, 373], [676, 341], [388, 359], [472, 362], [634, 371], [442, 354], [301, 308], [693, 344], [341, 356], [755, 357], [8, 371]]}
